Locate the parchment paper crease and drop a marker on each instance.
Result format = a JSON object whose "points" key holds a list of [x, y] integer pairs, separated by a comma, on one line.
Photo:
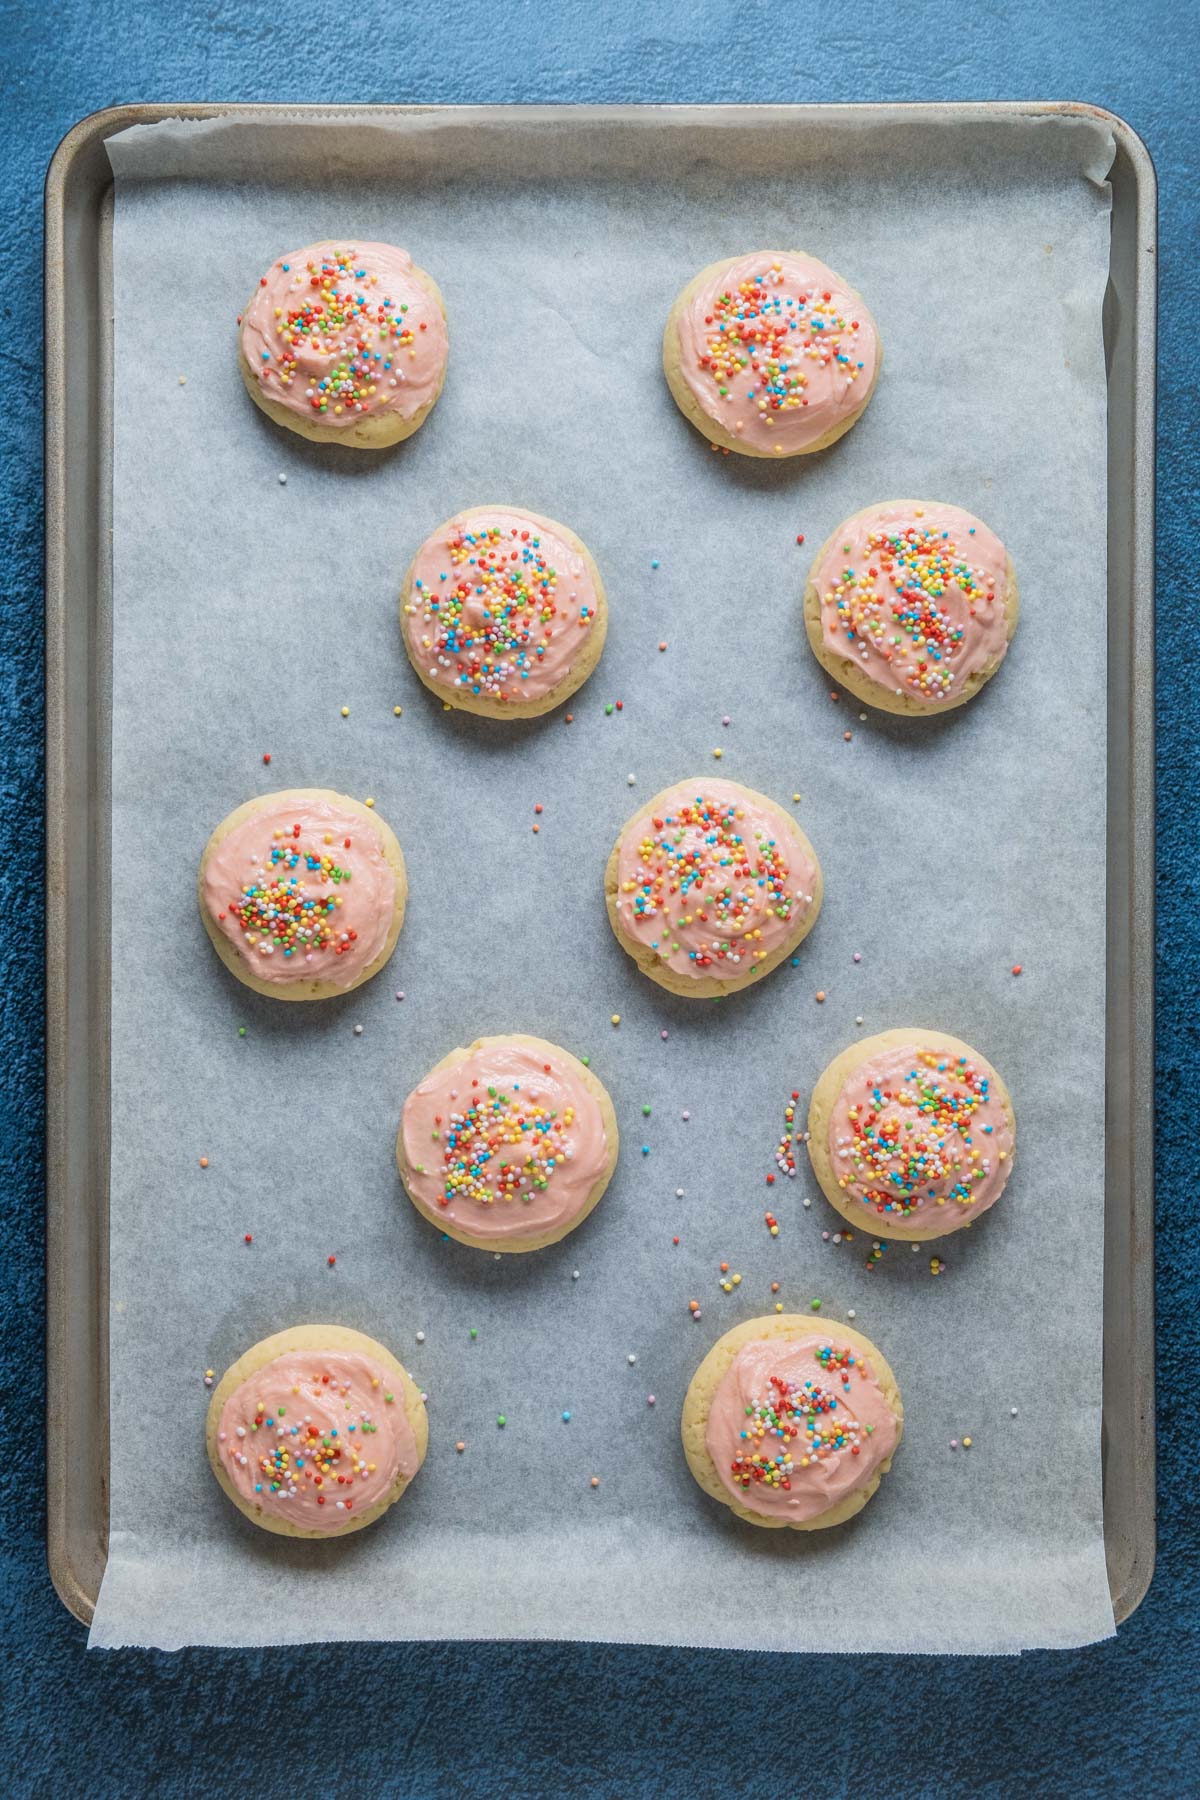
{"points": [[248, 612]]}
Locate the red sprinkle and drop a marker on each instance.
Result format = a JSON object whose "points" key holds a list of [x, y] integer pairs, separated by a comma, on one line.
{"points": [[332, 1260], [266, 756], [249, 1239], [1016, 968]]}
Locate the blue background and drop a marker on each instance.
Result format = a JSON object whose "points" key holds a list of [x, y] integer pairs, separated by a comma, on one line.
{"points": [[550, 1719]]}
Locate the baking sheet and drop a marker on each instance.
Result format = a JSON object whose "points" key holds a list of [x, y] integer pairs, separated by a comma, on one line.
{"points": [[984, 257]]}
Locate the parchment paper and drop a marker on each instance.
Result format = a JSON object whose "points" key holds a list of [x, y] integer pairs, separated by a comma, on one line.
{"points": [[248, 612]]}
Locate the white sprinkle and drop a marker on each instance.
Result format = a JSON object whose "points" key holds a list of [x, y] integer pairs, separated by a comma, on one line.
{"points": [[837, 1237], [679, 1193], [807, 1201], [283, 480], [863, 717], [631, 781], [183, 381], [574, 1274], [858, 1018], [852, 1314], [496, 1257], [631, 1358], [358, 1031], [420, 1337], [1013, 1411]]}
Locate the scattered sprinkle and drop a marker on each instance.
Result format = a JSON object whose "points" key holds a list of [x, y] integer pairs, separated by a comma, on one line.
{"points": [[420, 1337], [282, 480], [500, 1419], [345, 712], [631, 781], [1016, 968], [460, 1446], [820, 996], [631, 1358], [566, 1418], [204, 1162], [616, 1018], [397, 712], [649, 1399], [358, 1031], [595, 1481], [331, 1260]]}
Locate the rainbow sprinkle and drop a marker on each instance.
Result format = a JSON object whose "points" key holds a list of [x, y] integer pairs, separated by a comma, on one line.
{"points": [[282, 910]]}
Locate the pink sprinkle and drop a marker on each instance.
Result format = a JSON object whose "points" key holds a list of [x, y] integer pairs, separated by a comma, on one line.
{"points": [[649, 1399], [857, 956], [687, 1115], [663, 1035], [954, 1443], [400, 993], [725, 720]]}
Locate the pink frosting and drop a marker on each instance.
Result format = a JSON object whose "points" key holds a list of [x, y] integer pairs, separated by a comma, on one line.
{"points": [[796, 1424], [944, 1171], [342, 332], [336, 916], [499, 606], [316, 1435], [508, 1143], [915, 596], [711, 881], [778, 350]]}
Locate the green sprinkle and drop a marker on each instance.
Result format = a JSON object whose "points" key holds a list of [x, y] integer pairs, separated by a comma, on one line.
{"points": [[608, 709], [474, 1333], [645, 1112], [500, 1419], [241, 1031], [816, 1305]]}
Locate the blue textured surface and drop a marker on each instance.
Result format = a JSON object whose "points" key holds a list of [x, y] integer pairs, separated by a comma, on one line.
{"points": [[550, 1719]]}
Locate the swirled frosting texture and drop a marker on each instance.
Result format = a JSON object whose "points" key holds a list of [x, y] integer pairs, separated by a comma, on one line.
{"points": [[498, 606], [796, 1425], [303, 892], [921, 1139], [342, 332], [915, 595], [712, 880], [777, 350], [507, 1143], [314, 1436]]}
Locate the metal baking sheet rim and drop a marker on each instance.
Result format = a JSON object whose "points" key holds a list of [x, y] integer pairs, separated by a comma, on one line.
{"points": [[78, 381]]}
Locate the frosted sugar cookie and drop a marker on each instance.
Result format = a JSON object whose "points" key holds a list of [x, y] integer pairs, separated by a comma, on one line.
{"points": [[791, 1423], [911, 1134], [345, 343], [303, 893], [507, 1144], [316, 1431], [771, 354], [911, 605], [503, 612], [710, 886]]}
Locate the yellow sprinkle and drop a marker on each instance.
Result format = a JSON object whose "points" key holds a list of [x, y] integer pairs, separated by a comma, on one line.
{"points": [[718, 754], [779, 1306], [397, 711], [616, 1018], [370, 800], [345, 712], [966, 1443]]}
